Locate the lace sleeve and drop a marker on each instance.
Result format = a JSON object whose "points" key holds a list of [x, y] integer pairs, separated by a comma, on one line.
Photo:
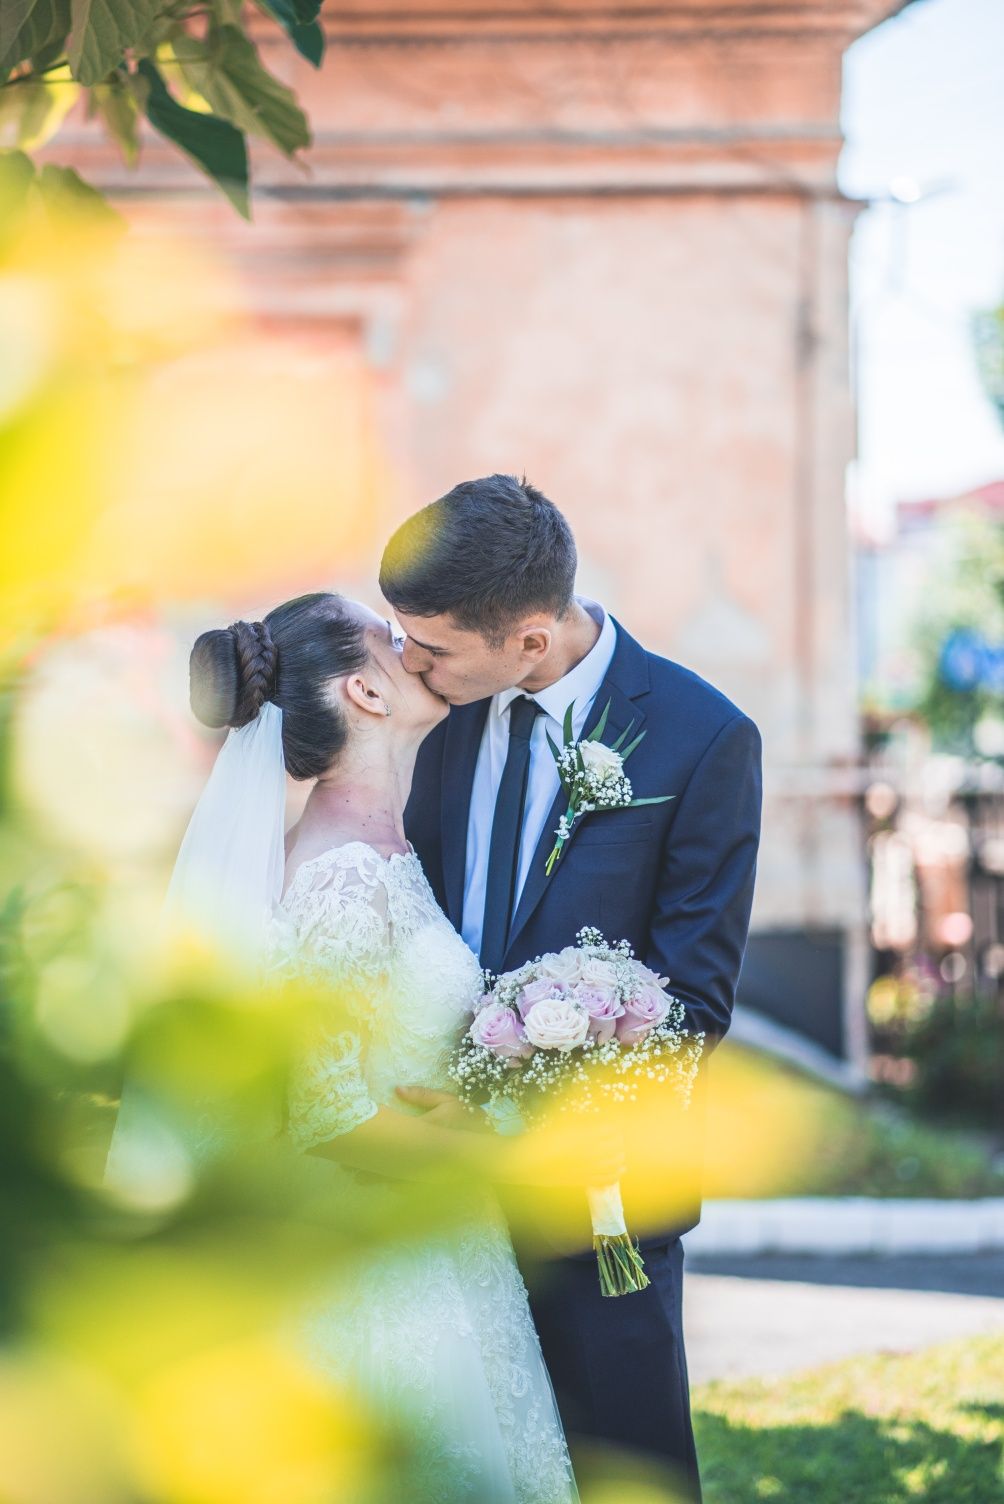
{"points": [[327, 1093], [333, 928]]}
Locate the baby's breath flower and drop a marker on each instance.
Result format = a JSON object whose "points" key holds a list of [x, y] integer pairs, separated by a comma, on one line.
{"points": [[592, 775], [592, 1073]]}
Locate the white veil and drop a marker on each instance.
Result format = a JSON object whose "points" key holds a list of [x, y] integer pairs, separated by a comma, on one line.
{"points": [[228, 875], [226, 881]]}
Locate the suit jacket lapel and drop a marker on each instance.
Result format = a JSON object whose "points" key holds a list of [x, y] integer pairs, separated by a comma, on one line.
{"points": [[460, 756], [627, 667]]}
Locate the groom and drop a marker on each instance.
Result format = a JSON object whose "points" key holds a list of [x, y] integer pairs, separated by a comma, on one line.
{"points": [[482, 583]]}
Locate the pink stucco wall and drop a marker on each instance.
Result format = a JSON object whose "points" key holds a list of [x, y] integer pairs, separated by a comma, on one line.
{"points": [[604, 247]]}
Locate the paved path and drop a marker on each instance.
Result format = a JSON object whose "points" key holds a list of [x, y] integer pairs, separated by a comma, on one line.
{"points": [[847, 1225], [770, 1316]]}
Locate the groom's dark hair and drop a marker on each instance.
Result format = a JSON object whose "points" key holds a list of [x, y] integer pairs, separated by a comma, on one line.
{"points": [[486, 553]]}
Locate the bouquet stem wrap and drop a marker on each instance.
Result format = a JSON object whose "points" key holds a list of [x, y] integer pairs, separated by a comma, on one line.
{"points": [[621, 1268], [575, 1031]]}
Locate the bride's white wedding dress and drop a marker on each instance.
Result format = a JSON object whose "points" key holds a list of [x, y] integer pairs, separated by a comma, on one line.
{"points": [[442, 1327]]}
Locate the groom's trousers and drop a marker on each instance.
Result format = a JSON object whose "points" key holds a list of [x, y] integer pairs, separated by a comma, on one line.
{"points": [[619, 1368]]}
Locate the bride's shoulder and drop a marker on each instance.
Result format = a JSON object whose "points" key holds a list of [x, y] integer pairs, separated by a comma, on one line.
{"points": [[354, 863]]}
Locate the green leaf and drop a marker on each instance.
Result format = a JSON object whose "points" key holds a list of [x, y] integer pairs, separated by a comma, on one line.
{"points": [[17, 175], [31, 29], [36, 108], [616, 746], [567, 730], [555, 750], [228, 12], [102, 31], [660, 799], [298, 19], [631, 745], [117, 107], [62, 189], [214, 145], [227, 71], [601, 725]]}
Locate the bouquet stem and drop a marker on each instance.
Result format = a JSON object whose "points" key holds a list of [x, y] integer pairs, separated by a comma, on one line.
{"points": [[567, 821], [622, 1270]]}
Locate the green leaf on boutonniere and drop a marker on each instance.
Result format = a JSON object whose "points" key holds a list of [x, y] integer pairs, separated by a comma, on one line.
{"points": [[659, 799], [601, 725], [631, 746], [616, 746], [553, 746], [567, 729]]}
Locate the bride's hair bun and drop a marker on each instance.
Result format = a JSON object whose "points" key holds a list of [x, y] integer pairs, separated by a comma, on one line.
{"points": [[232, 673], [289, 658]]}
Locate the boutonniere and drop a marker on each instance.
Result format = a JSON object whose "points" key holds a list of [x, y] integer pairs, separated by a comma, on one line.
{"points": [[592, 775]]}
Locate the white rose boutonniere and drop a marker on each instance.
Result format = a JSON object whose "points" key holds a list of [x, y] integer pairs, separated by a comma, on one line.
{"points": [[601, 762], [592, 775]]}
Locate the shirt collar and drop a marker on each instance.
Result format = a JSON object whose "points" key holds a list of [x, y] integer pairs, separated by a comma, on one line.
{"points": [[580, 684]]}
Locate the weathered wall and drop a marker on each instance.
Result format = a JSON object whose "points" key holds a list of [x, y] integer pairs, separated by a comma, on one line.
{"points": [[606, 247]]}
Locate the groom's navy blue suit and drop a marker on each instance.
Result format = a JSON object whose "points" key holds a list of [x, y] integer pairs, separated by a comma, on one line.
{"points": [[676, 880]]}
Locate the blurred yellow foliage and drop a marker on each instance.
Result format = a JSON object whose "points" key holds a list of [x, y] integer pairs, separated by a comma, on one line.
{"points": [[154, 446], [83, 1464], [746, 1130], [246, 1423]]}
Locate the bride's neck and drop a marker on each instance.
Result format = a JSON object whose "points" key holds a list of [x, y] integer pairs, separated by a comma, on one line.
{"points": [[365, 793]]}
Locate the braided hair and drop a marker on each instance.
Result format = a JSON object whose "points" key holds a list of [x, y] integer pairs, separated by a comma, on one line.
{"points": [[288, 658]]}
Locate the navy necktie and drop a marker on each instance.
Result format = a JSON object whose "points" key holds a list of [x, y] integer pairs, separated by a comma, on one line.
{"points": [[503, 853]]}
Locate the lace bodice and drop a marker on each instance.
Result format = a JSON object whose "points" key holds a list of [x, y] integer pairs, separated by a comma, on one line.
{"points": [[439, 1326], [400, 979]]}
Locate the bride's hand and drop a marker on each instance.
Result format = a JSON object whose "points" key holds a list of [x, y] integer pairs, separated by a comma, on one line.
{"points": [[442, 1107]]}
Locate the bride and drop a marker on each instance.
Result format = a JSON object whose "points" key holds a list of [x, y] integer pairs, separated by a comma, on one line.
{"points": [[440, 1330]]}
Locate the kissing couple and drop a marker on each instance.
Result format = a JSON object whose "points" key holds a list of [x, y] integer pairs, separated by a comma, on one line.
{"points": [[420, 859]]}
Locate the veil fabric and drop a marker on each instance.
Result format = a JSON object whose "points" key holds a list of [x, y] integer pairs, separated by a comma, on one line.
{"points": [[226, 882], [228, 875]]}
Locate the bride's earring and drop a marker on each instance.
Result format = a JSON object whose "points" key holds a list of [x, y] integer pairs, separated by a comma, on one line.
{"points": [[386, 710]]}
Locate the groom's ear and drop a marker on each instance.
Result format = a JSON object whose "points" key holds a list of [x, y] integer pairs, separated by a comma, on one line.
{"points": [[535, 641]]}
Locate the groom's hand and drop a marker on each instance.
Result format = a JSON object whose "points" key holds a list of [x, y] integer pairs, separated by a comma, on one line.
{"points": [[441, 1107]]}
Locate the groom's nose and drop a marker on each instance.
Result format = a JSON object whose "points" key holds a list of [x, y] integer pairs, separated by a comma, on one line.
{"points": [[416, 660]]}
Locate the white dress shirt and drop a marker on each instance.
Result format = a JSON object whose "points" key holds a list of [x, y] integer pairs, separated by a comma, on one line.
{"points": [[581, 685]]}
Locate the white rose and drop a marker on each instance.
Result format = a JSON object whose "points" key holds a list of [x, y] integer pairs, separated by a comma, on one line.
{"points": [[562, 965], [597, 972], [556, 1024], [603, 762]]}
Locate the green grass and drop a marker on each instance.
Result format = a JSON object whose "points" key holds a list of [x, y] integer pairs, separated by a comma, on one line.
{"points": [[868, 1146], [880, 1429]]}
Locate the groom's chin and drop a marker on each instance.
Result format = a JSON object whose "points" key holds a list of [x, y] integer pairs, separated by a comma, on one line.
{"points": [[441, 711], [460, 697]]}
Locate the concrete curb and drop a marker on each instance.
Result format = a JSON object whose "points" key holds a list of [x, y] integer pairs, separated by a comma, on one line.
{"points": [[848, 1224]]}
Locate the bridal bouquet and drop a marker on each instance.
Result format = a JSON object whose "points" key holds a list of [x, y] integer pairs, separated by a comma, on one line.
{"points": [[573, 1031]]}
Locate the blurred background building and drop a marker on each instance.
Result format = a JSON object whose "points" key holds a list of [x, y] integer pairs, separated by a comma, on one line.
{"points": [[607, 247]]}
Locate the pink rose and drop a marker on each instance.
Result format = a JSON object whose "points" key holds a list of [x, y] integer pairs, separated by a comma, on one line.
{"points": [[597, 972], [497, 1028], [557, 1024], [646, 974], [536, 992], [603, 1007], [642, 1014], [562, 965]]}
